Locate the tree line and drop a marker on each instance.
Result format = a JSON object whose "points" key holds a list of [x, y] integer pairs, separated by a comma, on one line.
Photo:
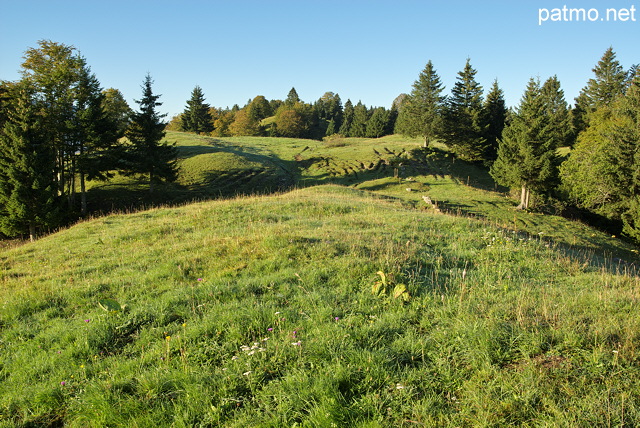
{"points": [[291, 117], [59, 129], [520, 145]]}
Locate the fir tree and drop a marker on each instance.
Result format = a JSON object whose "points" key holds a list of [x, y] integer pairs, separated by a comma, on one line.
{"points": [[557, 112], [196, 117], [495, 116], [360, 117], [377, 123], [96, 134], [527, 151], [27, 168], [147, 155], [608, 83], [347, 119], [292, 97], [420, 113], [465, 128]]}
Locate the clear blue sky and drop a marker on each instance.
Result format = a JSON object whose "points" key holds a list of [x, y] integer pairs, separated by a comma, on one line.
{"points": [[369, 50]]}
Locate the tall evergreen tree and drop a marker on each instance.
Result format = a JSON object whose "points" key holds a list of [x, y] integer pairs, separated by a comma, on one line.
{"points": [[495, 116], [28, 194], [378, 123], [557, 111], [95, 135], [464, 125], [358, 127], [607, 84], [347, 119], [147, 155], [292, 97], [328, 110], [196, 117], [527, 151], [421, 112]]}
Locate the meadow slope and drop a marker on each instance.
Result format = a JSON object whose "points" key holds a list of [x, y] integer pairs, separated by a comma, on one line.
{"points": [[322, 306]]}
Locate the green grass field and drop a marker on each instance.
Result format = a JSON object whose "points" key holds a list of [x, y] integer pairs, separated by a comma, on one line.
{"points": [[341, 300]]}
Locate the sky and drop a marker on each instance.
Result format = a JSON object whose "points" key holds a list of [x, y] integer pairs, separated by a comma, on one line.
{"points": [[363, 50]]}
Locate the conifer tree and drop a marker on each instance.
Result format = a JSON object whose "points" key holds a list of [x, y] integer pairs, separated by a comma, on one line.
{"points": [[28, 194], [358, 127], [421, 112], [147, 155], [607, 84], [347, 119], [527, 151], [495, 116], [377, 123], [465, 128], [557, 112], [292, 98], [196, 117], [95, 135]]}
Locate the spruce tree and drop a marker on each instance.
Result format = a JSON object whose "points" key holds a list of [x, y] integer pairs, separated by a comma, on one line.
{"points": [[147, 155], [377, 123], [95, 136], [347, 119], [196, 117], [465, 128], [421, 112], [527, 151], [495, 116], [292, 98], [358, 127], [28, 194], [557, 111], [608, 83]]}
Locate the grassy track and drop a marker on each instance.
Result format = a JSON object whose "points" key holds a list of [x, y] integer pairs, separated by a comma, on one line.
{"points": [[327, 305]]}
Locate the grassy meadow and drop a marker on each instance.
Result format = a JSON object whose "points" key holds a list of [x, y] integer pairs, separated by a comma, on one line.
{"points": [[312, 286]]}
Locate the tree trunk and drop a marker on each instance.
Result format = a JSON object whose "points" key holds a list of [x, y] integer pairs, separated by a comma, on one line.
{"points": [[524, 198], [83, 195], [32, 232]]}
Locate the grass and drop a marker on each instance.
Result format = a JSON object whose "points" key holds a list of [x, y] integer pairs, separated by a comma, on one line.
{"points": [[268, 310]]}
